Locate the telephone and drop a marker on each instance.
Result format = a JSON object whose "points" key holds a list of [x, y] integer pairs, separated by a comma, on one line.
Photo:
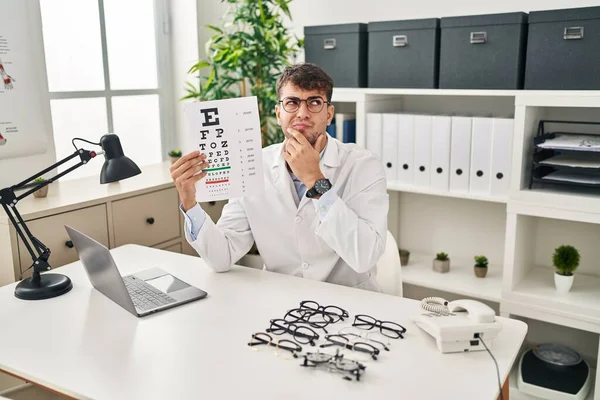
{"points": [[458, 326]]}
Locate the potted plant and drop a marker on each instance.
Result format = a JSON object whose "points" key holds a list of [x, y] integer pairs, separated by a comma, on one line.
{"points": [[441, 263], [245, 56], [42, 192], [481, 266], [404, 256], [174, 155], [566, 261]]}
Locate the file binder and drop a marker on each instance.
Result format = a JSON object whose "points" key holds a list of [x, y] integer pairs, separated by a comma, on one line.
{"points": [[460, 154], [440, 153], [406, 148], [422, 150], [502, 141], [481, 149], [390, 146], [374, 134]]}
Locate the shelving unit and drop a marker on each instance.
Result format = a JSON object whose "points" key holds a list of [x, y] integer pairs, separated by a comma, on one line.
{"points": [[460, 279], [519, 231]]}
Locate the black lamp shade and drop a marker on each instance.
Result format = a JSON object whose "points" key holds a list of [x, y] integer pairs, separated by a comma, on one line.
{"points": [[116, 166]]}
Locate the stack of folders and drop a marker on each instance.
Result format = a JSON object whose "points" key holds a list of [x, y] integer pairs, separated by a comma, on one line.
{"points": [[469, 155], [567, 158], [343, 127]]}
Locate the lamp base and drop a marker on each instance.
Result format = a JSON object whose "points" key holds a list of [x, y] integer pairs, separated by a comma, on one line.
{"points": [[50, 285]]}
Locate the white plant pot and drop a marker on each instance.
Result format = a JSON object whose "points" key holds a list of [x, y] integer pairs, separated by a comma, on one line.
{"points": [[563, 283]]}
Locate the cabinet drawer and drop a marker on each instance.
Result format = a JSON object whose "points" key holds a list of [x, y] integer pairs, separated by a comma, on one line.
{"points": [[148, 219], [51, 231]]}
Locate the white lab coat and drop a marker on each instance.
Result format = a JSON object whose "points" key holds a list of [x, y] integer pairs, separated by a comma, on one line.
{"points": [[343, 249]]}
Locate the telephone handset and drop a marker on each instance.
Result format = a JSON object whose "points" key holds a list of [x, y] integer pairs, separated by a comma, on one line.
{"points": [[459, 325]]}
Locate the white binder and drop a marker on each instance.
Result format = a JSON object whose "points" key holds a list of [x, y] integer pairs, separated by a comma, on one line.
{"points": [[481, 151], [502, 141], [374, 134], [406, 148], [440, 152], [460, 154], [390, 146], [422, 150]]}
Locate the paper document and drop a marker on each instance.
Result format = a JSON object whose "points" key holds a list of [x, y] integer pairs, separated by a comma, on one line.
{"points": [[573, 142], [228, 132], [573, 177], [582, 160]]}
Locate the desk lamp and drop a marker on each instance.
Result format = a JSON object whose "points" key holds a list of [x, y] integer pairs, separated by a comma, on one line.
{"points": [[44, 286]]}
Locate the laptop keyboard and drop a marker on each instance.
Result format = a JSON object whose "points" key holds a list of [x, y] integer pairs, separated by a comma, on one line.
{"points": [[145, 296]]}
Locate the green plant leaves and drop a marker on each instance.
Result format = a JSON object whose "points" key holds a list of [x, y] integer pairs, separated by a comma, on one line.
{"points": [[566, 259]]}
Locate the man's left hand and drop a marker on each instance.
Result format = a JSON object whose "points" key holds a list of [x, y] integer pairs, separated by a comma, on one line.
{"points": [[303, 158]]}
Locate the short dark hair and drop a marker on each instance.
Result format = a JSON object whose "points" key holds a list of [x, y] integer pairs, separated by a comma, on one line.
{"points": [[306, 76]]}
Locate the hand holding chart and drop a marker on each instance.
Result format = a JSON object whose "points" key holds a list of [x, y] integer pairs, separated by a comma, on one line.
{"points": [[228, 132]]}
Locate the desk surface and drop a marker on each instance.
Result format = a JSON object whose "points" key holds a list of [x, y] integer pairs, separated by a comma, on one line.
{"points": [[84, 345]]}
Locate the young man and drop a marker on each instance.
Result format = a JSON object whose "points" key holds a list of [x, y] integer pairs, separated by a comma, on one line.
{"points": [[323, 215]]}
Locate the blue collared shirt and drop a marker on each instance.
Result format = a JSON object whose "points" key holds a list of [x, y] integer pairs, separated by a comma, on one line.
{"points": [[196, 216]]}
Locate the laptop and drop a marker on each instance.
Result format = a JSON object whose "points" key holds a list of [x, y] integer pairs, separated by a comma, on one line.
{"points": [[142, 293]]}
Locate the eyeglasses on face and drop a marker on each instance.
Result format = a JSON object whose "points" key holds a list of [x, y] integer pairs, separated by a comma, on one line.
{"points": [[335, 312], [262, 338], [335, 363], [345, 342], [302, 334], [292, 104], [387, 328]]}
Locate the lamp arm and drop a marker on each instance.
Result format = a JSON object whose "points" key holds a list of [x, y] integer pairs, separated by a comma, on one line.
{"points": [[9, 201]]}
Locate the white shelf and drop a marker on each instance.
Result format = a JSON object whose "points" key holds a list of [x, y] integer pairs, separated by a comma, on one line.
{"points": [[399, 187], [577, 205], [536, 294], [460, 279]]}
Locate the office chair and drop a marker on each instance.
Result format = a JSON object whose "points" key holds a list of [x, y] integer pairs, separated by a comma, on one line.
{"points": [[389, 270]]}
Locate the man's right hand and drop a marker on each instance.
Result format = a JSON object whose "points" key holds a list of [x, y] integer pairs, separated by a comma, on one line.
{"points": [[183, 173]]}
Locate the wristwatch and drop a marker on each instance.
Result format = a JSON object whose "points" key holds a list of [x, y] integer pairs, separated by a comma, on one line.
{"points": [[320, 187]]}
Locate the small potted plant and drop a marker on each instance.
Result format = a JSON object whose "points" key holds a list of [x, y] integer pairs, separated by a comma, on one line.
{"points": [[174, 155], [43, 192], [481, 266], [566, 261], [404, 256], [441, 263]]}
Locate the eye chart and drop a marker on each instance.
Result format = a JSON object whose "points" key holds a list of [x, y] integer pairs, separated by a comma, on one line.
{"points": [[228, 132]]}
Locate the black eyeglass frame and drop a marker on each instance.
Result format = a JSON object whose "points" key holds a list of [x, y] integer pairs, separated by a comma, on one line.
{"points": [[335, 362], [335, 341], [383, 326], [306, 101], [261, 341], [335, 312], [282, 326]]}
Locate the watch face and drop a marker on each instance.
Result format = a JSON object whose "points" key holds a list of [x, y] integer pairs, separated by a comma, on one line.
{"points": [[322, 185]]}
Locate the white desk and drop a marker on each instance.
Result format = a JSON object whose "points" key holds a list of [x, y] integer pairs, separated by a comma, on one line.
{"points": [[85, 346]]}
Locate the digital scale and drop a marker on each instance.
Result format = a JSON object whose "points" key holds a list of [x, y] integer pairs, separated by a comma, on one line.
{"points": [[554, 372]]}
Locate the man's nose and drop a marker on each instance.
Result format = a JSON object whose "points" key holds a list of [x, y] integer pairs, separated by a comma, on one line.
{"points": [[303, 110]]}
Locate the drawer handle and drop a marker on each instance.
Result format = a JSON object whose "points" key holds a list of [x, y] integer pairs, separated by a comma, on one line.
{"points": [[573, 33], [329, 44], [69, 244], [150, 220], [399, 40], [478, 37]]}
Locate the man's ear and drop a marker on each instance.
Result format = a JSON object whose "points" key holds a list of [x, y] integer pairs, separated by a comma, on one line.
{"points": [[330, 112], [277, 111]]}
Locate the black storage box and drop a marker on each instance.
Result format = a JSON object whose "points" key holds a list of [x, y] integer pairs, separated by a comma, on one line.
{"points": [[341, 50], [404, 54], [563, 50], [483, 51]]}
